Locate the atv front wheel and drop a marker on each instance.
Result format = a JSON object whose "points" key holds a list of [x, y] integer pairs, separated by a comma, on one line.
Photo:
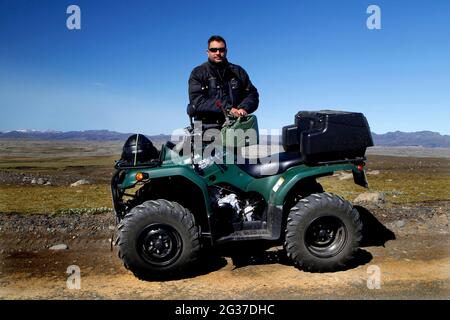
{"points": [[322, 233], [157, 239]]}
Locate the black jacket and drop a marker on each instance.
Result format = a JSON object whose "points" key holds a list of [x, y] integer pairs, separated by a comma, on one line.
{"points": [[213, 85]]}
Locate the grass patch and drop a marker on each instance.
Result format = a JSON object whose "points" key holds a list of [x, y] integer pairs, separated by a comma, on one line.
{"points": [[32, 164], [44, 199], [401, 179], [399, 187]]}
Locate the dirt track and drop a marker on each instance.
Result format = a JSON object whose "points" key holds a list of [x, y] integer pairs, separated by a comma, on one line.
{"points": [[416, 265]]}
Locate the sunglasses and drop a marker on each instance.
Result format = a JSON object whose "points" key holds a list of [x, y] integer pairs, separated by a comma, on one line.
{"points": [[217, 49]]}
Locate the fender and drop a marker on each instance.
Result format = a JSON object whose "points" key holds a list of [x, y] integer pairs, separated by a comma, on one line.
{"points": [[168, 171], [290, 178]]}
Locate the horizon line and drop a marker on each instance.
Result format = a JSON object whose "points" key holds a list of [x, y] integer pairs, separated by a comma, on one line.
{"points": [[167, 134]]}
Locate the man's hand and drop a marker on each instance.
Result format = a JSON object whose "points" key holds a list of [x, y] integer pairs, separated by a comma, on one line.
{"points": [[238, 112]]}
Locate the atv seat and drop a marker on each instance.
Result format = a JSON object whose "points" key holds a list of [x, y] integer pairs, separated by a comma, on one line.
{"points": [[272, 165]]}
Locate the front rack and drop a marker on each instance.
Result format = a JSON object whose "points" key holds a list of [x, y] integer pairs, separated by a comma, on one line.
{"points": [[120, 164]]}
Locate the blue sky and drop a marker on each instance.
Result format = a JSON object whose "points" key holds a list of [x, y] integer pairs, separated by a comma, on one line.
{"points": [[127, 68]]}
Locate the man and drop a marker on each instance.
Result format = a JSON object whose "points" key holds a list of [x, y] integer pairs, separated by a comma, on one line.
{"points": [[217, 86]]}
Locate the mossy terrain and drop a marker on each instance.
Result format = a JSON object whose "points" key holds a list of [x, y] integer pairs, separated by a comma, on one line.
{"points": [[24, 164], [402, 179], [54, 199]]}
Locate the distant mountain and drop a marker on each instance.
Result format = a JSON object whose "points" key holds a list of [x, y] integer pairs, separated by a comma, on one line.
{"points": [[88, 135], [392, 139], [420, 138], [69, 135]]}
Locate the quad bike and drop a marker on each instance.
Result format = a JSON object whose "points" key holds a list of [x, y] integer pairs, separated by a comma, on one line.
{"points": [[170, 206]]}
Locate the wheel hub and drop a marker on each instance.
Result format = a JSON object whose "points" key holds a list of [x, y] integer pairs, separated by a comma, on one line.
{"points": [[159, 244], [326, 236]]}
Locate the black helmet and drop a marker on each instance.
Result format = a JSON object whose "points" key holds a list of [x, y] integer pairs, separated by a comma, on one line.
{"points": [[138, 149]]}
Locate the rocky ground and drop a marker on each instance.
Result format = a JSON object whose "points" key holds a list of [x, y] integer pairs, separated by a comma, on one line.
{"points": [[407, 245]]}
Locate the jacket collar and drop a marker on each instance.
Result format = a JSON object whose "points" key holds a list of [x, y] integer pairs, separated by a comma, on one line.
{"points": [[219, 66]]}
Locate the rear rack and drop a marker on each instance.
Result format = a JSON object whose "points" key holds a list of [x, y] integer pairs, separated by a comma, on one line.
{"points": [[354, 160]]}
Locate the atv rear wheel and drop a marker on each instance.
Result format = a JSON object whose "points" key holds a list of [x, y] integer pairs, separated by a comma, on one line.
{"points": [[322, 233], [157, 239]]}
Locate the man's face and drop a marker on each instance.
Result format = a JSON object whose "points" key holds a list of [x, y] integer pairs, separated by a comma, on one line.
{"points": [[217, 52]]}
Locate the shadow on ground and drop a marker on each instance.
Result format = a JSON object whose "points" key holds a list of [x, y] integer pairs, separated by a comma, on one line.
{"points": [[374, 233], [360, 258], [208, 262], [243, 254]]}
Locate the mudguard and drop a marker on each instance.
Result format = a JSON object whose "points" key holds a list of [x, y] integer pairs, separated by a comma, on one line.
{"points": [[289, 179], [187, 172]]}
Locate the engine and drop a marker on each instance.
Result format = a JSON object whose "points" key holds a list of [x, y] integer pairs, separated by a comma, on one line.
{"points": [[236, 207]]}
